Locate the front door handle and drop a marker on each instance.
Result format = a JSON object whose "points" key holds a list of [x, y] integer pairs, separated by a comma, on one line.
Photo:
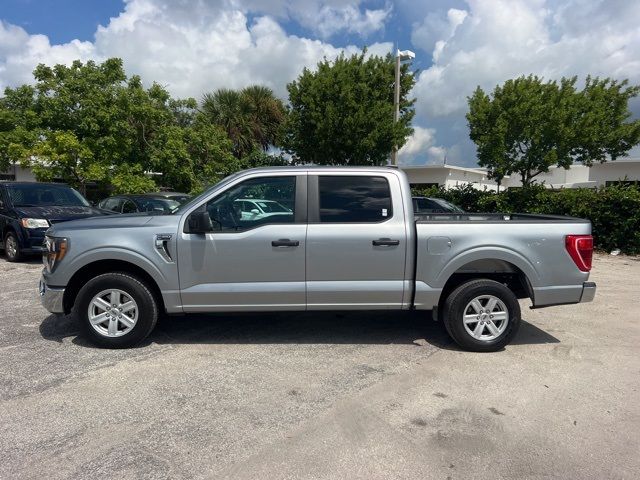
{"points": [[285, 242], [385, 242]]}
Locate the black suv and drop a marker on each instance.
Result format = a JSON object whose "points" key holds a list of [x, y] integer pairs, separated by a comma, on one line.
{"points": [[27, 209]]}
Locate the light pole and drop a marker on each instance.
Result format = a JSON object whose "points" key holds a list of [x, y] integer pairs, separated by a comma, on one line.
{"points": [[400, 56]]}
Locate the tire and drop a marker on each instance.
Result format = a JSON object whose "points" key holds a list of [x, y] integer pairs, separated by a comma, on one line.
{"points": [[126, 325], [480, 327], [12, 250]]}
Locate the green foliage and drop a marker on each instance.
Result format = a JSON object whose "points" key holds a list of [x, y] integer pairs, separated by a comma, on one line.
{"points": [[527, 125], [130, 178], [259, 158], [62, 155], [613, 211], [342, 113], [17, 122], [90, 123], [252, 117]]}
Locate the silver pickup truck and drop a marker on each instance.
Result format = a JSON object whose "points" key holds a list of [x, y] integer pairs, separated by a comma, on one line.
{"points": [[337, 239]]}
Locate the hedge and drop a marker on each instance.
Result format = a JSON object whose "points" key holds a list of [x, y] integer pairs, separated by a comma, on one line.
{"points": [[614, 211]]}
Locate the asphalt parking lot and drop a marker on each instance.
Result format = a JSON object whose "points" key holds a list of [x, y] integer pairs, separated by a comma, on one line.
{"points": [[367, 395]]}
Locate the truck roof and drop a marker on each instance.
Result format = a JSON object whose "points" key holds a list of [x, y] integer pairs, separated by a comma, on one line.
{"points": [[322, 168]]}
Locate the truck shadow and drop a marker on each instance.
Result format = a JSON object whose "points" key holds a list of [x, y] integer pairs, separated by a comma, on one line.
{"points": [[295, 328]]}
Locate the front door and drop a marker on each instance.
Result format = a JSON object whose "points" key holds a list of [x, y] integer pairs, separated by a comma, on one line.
{"points": [[252, 261], [356, 242]]}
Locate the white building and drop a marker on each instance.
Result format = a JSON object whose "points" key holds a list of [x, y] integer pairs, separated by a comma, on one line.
{"points": [[18, 174], [600, 174], [448, 176]]}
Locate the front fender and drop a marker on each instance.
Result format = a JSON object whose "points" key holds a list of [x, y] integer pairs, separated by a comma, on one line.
{"points": [[166, 278]]}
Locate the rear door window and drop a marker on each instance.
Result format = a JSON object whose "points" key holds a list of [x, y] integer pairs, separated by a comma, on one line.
{"points": [[354, 199]]}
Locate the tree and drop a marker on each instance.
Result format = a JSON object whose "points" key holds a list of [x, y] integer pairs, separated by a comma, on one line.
{"points": [[268, 114], [252, 117], [90, 123], [63, 155], [528, 125], [17, 124], [258, 158], [342, 113]]}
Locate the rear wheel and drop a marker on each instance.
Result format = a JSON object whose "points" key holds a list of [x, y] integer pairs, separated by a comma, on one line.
{"points": [[116, 310], [482, 315], [12, 248]]}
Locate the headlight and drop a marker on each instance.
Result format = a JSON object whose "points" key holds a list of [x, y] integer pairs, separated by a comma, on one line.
{"points": [[35, 223], [55, 250]]}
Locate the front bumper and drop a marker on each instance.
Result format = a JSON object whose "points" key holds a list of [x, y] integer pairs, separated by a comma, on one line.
{"points": [[51, 297], [588, 292]]}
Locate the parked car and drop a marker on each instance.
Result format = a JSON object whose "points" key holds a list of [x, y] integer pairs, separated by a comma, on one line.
{"points": [[27, 209], [178, 196], [352, 242], [434, 205], [148, 203], [253, 209]]}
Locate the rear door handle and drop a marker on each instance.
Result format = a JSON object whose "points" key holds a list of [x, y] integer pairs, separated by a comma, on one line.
{"points": [[385, 242], [285, 242]]}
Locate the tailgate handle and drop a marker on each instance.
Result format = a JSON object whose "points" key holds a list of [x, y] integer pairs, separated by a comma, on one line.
{"points": [[285, 242], [385, 242]]}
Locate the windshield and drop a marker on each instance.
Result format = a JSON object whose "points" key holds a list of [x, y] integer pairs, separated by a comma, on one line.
{"points": [[165, 205], [450, 207], [45, 195], [198, 198]]}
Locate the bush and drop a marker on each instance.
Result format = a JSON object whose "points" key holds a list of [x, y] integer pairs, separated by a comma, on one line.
{"points": [[613, 211]]}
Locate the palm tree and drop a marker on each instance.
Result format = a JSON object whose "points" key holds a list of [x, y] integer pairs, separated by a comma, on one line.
{"points": [[251, 117], [230, 110], [268, 114]]}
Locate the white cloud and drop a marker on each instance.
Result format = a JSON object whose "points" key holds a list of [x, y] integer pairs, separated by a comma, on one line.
{"points": [[431, 34], [21, 52], [197, 46], [190, 49], [325, 18], [501, 39]]}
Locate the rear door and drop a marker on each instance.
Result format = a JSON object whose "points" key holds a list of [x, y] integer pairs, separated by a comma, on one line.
{"points": [[356, 242]]}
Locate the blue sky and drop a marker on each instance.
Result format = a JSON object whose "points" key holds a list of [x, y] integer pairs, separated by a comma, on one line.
{"points": [[61, 20], [195, 46]]}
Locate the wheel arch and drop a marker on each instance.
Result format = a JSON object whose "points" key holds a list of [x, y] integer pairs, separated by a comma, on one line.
{"points": [[509, 269], [99, 267]]}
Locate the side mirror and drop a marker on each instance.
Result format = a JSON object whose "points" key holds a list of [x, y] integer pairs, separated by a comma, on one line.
{"points": [[199, 222], [255, 211]]}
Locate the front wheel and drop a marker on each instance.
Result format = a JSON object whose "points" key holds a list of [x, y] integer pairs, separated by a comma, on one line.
{"points": [[482, 315], [12, 248], [116, 310]]}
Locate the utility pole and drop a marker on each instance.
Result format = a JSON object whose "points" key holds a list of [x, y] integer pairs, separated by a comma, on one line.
{"points": [[400, 56]]}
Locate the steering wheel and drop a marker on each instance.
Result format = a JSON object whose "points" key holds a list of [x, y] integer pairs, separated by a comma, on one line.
{"points": [[226, 215]]}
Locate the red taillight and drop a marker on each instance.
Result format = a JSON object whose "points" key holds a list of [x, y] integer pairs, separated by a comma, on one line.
{"points": [[580, 248]]}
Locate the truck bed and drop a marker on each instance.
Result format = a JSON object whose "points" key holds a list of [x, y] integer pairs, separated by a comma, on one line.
{"points": [[495, 218], [491, 244]]}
